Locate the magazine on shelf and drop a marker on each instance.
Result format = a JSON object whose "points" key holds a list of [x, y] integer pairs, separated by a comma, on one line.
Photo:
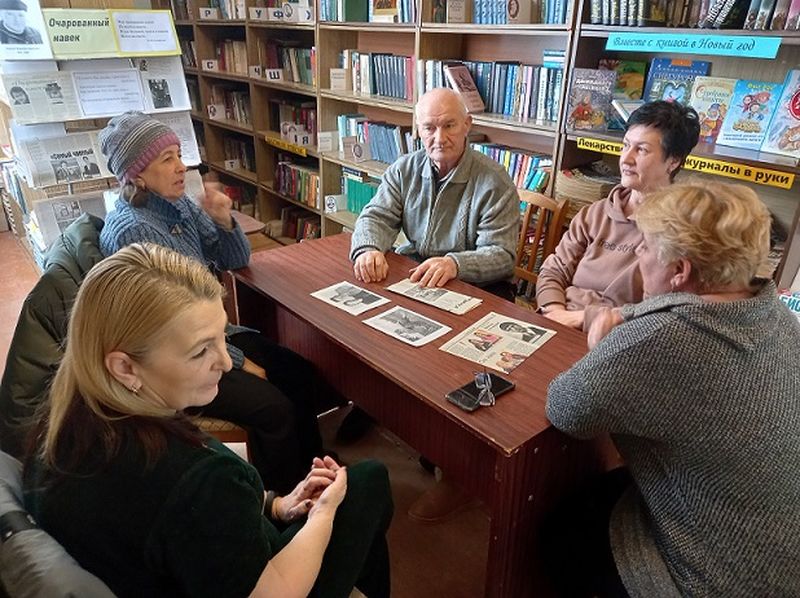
{"points": [[711, 98], [752, 105], [589, 99], [498, 342], [671, 79], [783, 134], [349, 297], [451, 301], [407, 326]]}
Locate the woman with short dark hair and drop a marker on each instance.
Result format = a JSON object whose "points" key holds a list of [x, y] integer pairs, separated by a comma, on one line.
{"points": [[595, 263]]}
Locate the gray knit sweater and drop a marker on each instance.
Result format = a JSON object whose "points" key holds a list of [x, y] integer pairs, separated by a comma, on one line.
{"points": [[472, 217], [703, 402]]}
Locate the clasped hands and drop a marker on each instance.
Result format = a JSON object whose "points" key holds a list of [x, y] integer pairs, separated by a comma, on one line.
{"points": [[323, 489], [371, 266]]}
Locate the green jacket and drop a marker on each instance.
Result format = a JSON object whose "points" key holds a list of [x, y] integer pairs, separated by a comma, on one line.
{"points": [[36, 348]]}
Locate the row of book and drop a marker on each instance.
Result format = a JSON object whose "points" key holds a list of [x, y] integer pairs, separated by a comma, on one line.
{"points": [[500, 12], [235, 103], [231, 56], [373, 11], [386, 141], [298, 182], [288, 114], [181, 9], [193, 87], [743, 113], [297, 63], [298, 224], [508, 88], [188, 52], [243, 198], [380, 74], [230, 9], [358, 191], [716, 14], [528, 170], [241, 150]]}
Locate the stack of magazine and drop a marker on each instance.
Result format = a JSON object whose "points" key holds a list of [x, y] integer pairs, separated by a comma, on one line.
{"points": [[584, 185]]}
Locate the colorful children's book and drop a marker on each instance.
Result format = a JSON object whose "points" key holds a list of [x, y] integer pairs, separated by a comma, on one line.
{"points": [[589, 99], [671, 79], [751, 109], [630, 77], [783, 134], [711, 97]]}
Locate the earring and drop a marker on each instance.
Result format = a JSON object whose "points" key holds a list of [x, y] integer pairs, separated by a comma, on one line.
{"points": [[135, 388]]}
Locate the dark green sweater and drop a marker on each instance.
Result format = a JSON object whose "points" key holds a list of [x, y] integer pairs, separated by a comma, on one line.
{"points": [[190, 526]]}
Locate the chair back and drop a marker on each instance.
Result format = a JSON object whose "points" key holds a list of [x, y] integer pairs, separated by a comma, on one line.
{"points": [[542, 227]]}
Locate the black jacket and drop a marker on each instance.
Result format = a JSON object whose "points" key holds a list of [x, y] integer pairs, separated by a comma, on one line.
{"points": [[36, 348]]}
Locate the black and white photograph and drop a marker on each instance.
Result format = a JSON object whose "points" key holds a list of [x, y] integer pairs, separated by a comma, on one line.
{"points": [[66, 170], [456, 303], [527, 333], [22, 30], [350, 298], [66, 212], [54, 93], [89, 168], [407, 326], [159, 91], [19, 97]]}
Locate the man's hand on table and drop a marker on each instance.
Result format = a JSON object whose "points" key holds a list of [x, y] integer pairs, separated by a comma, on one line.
{"points": [[371, 266], [434, 272]]}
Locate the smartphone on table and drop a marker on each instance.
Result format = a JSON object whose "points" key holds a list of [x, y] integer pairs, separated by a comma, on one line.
{"points": [[467, 397]]}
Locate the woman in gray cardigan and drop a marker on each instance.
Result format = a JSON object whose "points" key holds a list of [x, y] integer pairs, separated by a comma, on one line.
{"points": [[698, 386]]}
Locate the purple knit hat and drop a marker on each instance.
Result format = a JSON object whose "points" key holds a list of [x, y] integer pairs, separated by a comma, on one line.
{"points": [[131, 141]]}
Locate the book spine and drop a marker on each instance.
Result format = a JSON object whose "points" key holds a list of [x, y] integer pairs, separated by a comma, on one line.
{"points": [[778, 21], [793, 19]]}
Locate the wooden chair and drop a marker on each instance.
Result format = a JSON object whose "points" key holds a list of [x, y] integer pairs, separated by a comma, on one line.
{"points": [[224, 431], [542, 227]]}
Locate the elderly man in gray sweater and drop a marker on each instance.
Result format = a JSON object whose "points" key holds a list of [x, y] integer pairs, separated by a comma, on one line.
{"points": [[458, 208]]}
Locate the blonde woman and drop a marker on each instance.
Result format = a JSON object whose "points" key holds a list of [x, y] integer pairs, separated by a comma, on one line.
{"points": [[698, 386], [145, 501]]}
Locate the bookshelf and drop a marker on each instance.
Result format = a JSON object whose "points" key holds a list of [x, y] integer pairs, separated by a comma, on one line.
{"points": [[581, 42], [588, 46], [422, 39]]}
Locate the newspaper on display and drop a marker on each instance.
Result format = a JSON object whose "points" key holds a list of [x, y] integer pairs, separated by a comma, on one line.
{"points": [[94, 89], [442, 298], [407, 326], [498, 342], [65, 159], [350, 298]]}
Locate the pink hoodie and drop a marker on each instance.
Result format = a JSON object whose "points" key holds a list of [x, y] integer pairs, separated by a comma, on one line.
{"points": [[595, 263]]}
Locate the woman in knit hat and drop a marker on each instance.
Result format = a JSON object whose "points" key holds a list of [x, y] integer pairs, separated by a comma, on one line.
{"points": [[273, 392]]}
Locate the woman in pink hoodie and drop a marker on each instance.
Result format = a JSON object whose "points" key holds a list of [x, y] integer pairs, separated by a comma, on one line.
{"points": [[595, 263]]}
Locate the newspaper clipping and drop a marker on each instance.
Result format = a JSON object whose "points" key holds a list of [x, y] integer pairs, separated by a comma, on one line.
{"points": [[163, 83], [498, 342], [442, 298], [41, 97], [66, 159], [181, 123], [103, 93], [350, 298], [407, 326]]}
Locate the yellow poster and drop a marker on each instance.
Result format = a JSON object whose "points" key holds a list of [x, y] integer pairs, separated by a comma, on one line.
{"points": [[80, 33]]}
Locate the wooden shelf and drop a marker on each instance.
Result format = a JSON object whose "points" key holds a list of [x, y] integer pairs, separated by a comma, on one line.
{"points": [[358, 26], [225, 76], [221, 22], [231, 125], [281, 25], [377, 101], [745, 157], [284, 240], [274, 139], [240, 173], [191, 70], [473, 28], [301, 88], [371, 167], [510, 123], [197, 115], [291, 200], [343, 217]]}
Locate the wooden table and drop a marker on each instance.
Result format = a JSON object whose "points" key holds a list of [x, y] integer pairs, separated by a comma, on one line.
{"points": [[508, 455]]}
